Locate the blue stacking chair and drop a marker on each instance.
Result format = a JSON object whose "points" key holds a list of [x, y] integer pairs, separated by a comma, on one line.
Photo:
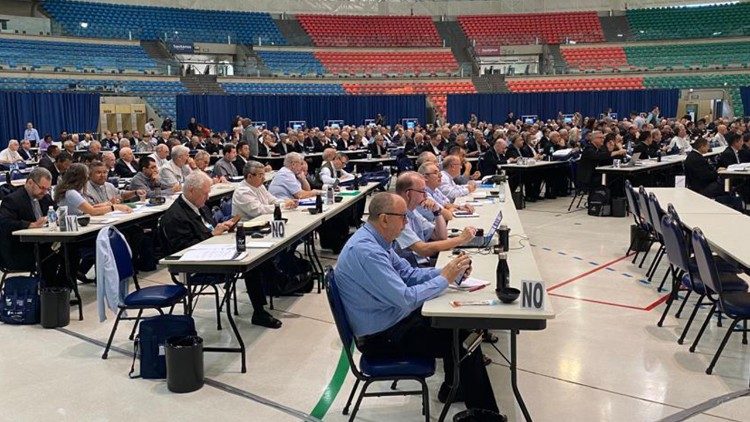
{"points": [[734, 304], [152, 297], [631, 194], [376, 369], [657, 212]]}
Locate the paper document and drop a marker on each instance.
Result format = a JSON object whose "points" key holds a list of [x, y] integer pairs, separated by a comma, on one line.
{"points": [[464, 214], [479, 195], [259, 245], [217, 253], [469, 284], [306, 202]]}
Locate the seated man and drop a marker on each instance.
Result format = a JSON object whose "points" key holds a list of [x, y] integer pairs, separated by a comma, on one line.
{"points": [[288, 182], [251, 198], [125, 166], [332, 168], [243, 156], [378, 148], [492, 158], [25, 150], [60, 166], [161, 152], [109, 160], [188, 221], [731, 154], [99, 190], [26, 208], [646, 146], [421, 240], [148, 180], [699, 176], [200, 162], [452, 169], [176, 170], [432, 177], [225, 166], [382, 296], [10, 155]]}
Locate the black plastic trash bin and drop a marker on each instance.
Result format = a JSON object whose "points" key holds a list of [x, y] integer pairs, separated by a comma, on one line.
{"points": [[479, 415], [184, 356], [55, 304]]}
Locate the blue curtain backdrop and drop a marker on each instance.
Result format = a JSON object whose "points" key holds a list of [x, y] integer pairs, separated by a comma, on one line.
{"points": [[50, 112], [546, 105], [745, 95], [217, 111]]}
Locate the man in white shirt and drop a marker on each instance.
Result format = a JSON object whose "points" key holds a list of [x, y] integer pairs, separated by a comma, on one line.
{"points": [[31, 134], [681, 141], [10, 155], [451, 170], [251, 198], [160, 154], [175, 171], [718, 139], [332, 168], [150, 127]]}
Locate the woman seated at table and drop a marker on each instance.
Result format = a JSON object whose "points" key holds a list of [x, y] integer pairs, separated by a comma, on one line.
{"points": [[70, 192]]}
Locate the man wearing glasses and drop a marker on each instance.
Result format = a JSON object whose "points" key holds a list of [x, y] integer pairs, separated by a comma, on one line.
{"points": [[383, 295], [251, 198], [26, 208], [421, 240], [433, 178]]}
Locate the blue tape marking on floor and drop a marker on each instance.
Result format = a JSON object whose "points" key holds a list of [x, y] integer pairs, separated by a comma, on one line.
{"points": [[609, 269], [627, 275], [593, 263], [561, 253], [533, 245], [578, 258], [546, 249], [644, 281]]}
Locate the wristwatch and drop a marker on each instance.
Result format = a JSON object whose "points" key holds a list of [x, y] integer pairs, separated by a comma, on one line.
{"points": [[436, 213]]}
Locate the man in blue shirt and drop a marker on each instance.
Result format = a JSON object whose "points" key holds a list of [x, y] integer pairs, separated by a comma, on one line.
{"points": [[31, 134], [288, 182], [383, 295]]}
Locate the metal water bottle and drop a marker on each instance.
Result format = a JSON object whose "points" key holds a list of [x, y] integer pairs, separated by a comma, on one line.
{"points": [[329, 195], [502, 272], [503, 233], [277, 212], [319, 202], [355, 184], [240, 237]]}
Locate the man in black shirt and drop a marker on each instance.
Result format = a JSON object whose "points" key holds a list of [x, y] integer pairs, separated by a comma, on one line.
{"points": [[595, 154], [699, 175], [646, 147], [731, 155]]}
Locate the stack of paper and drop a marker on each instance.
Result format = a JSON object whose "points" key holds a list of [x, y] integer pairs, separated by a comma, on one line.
{"points": [[212, 253]]}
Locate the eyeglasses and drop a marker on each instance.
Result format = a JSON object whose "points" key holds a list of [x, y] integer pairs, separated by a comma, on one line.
{"points": [[432, 173], [403, 216], [40, 187], [417, 190], [257, 174]]}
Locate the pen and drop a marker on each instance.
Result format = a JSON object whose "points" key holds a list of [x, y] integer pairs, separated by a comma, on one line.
{"points": [[236, 255]]}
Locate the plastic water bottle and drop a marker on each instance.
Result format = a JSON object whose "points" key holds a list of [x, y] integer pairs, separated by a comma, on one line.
{"points": [[501, 196], [329, 195], [240, 239], [51, 219]]}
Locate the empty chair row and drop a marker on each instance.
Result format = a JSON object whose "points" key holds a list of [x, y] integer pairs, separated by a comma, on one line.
{"points": [[371, 31], [550, 28], [458, 87], [282, 88], [105, 20], [574, 84], [107, 85], [723, 20]]}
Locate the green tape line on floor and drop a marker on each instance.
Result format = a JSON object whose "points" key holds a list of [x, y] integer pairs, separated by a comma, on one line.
{"points": [[333, 387]]}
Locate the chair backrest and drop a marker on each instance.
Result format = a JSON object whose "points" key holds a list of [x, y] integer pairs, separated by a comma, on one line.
{"points": [[674, 243], [631, 202], [121, 253], [656, 212], [339, 314], [705, 260], [643, 206], [166, 245], [673, 212], [226, 206]]}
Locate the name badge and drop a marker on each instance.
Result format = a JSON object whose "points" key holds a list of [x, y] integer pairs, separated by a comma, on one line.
{"points": [[532, 295], [277, 228]]}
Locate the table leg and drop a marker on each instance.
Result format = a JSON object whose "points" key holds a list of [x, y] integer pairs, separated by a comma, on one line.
{"points": [[456, 376], [38, 258], [727, 185], [72, 280], [229, 287], [514, 376], [317, 265]]}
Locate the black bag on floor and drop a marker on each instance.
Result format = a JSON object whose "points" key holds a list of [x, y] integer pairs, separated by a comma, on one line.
{"points": [[619, 207], [599, 202], [290, 274], [19, 301], [152, 339], [639, 238]]}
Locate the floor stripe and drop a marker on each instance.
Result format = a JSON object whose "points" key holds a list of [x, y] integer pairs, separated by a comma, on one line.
{"points": [[333, 387], [208, 381], [570, 280], [706, 405], [601, 302]]}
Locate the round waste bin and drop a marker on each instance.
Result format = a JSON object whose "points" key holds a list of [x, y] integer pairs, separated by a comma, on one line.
{"points": [[184, 356], [55, 304]]}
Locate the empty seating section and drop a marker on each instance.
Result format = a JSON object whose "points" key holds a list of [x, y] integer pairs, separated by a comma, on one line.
{"points": [[429, 88], [152, 23], [287, 62], [165, 105], [370, 31], [574, 84], [595, 58], [689, 55], [282, 88], [17, 53], [690, 22], [698, 81], [102, 85], [417, 62], [549, 28]]}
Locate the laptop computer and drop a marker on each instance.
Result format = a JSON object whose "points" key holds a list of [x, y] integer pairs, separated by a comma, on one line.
{"points": [[485, 239], [634, 160]]}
